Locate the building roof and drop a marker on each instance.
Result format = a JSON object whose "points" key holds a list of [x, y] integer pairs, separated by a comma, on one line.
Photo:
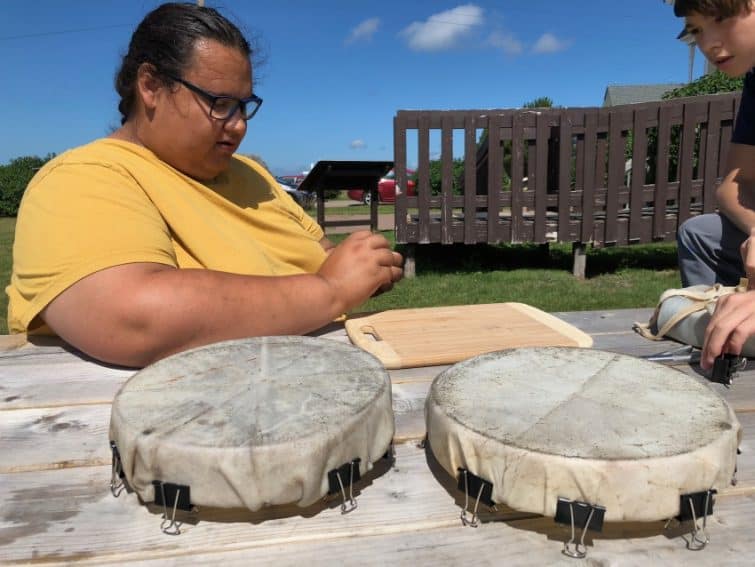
{"points": [[632, 94]]}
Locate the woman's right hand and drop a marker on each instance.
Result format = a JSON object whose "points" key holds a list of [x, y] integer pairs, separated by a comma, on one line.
{"points": [[360, 266]]}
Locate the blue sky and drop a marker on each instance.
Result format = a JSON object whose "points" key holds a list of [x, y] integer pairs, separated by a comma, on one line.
{"points": [[337, 71]]}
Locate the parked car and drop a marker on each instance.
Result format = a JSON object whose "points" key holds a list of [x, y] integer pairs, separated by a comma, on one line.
{"points": [[304, 199], [386, 189], [294, 180]]}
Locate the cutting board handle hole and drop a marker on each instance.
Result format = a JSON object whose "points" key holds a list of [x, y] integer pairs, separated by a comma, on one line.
{"points": [[370, 331]]}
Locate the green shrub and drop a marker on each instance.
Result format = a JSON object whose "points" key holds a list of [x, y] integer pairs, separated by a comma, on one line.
{"points": [[707, 84], [14, 177]]}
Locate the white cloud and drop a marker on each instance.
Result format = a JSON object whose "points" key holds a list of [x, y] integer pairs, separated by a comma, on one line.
{"points": [[444, 29], [357, 144], [549, 43], [364, 31], [506, 42]]}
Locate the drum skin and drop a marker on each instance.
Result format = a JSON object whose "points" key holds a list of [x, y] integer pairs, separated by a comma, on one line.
{"points": [[254, 422], [587, 425]]}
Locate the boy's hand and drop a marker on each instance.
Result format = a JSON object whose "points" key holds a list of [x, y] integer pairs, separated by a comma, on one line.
{"points": [[747, 250], [730, 326]]}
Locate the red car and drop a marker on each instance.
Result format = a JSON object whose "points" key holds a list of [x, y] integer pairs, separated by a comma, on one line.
{"points": [[386, 189]]}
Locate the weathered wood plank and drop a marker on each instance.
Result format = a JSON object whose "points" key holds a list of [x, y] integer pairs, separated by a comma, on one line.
{"points": [[52, 438], [399, 167], [423, 176], [447, 180], [407, 514], [492, 543], [61, 510], [409, 410], [73, 510], [67, 436], [421, 374], [663, 134], [62, 376], [612, 321], [564, 175], [47, 438], [59, 379], [587, 167]]}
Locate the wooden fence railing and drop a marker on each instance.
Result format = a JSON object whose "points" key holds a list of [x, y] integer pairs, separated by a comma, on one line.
{"points": [[605, 176]]}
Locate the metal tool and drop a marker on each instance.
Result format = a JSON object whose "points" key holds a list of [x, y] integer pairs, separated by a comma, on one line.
{"points": [[681, 354], [725, 367]]}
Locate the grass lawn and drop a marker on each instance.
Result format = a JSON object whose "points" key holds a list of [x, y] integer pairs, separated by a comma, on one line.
{"points": [[620, 277], [617, 278], [342, 205], [353, 209], [7, 226]]}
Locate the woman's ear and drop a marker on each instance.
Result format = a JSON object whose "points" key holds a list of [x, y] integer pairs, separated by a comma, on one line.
{"points": [[148, 85]]}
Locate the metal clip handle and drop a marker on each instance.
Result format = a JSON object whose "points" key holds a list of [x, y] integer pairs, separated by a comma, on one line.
{"points": [[579, 551], [467, 483], [690, 508], [575, 513], [352, 503], [116, 473]]}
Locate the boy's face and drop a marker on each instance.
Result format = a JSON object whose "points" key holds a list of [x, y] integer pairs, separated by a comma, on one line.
{"points": [[728, 43]]}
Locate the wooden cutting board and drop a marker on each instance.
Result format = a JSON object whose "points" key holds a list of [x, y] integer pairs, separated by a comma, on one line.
{"points": [[404, 338]]}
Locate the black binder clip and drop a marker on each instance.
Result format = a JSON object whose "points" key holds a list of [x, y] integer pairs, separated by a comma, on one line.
{"points": [[693, 506], [176, 496], [725, 368], [338, 479], [480, 489], [578, 515]]}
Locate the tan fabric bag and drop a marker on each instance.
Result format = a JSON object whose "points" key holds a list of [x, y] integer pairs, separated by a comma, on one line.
{"points": [[683, 314]]}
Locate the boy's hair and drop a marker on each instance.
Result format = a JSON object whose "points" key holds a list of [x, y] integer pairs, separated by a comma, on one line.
{"points": [[716, 8]]}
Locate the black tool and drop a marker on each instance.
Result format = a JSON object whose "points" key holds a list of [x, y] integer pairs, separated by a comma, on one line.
{"points": [[725, 367]]}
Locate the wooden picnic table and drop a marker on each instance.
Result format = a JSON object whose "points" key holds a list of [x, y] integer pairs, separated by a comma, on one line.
{"points": [[56, 506]]}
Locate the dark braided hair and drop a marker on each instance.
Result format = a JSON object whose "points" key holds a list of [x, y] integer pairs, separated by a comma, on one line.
{"points": [[165, 39]]}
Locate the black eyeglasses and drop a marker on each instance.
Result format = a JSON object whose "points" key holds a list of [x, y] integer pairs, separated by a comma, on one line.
{"points": [[222, 107]]}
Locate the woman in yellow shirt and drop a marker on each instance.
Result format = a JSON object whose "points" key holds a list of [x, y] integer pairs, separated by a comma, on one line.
{"points": [[159, 238]]}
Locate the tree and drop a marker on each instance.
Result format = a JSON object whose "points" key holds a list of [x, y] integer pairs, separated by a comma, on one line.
{"points": [[14, 177], [456, 174], [713, 83], [540, 102]]}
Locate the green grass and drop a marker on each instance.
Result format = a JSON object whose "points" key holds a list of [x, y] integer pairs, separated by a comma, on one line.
{"points": [[349, 207], [353, 209], [620, 277], [616, 278], [7, 226], [357, 210]]}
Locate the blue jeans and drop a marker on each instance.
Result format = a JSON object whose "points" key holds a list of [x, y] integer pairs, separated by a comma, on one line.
{"points": [[708, 249]]}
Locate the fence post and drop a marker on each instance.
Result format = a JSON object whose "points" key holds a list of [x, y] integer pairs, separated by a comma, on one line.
{"points": [[579, 254], [410, 265]]}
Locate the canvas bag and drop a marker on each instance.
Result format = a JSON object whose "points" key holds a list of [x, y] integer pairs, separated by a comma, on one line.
{"points": [[683, 314]]}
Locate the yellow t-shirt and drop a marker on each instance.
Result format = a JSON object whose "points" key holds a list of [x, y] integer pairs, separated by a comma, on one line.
{"points": [[112, 202]]}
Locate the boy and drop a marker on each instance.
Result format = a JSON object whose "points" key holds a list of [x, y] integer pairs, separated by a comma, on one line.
{"points": [[720, 247]]}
